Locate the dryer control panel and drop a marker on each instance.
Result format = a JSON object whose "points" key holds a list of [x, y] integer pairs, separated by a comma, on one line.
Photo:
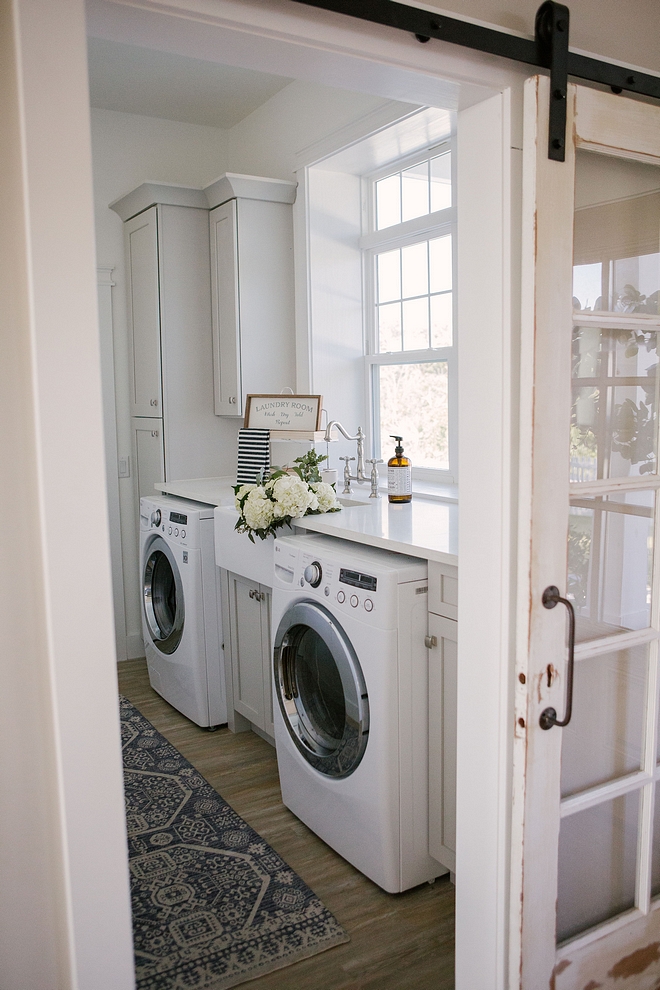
{"points": [[348, 579]]}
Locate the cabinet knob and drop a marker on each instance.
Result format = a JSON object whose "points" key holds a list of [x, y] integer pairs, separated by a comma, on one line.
{"points": [[430, 642], [153, 402], [154, 433]]}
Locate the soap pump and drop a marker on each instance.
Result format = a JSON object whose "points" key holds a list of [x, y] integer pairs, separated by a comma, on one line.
{"points": [[399, 475]]}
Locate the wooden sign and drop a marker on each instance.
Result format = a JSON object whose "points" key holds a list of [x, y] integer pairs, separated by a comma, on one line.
{"points": [[283, 412]]}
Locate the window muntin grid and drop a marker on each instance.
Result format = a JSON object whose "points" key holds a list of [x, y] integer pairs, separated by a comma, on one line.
{"points": [[413, 192], [414, 304]]}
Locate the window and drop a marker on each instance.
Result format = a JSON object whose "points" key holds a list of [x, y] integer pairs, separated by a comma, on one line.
{"points": [[409, 274]]}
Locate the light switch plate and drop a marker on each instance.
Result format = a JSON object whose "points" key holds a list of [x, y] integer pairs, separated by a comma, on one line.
{"points": [[125, 467]]}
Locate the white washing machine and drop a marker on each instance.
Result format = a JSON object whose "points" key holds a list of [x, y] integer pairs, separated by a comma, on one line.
{"points": [[351, 709], [181, 621]]}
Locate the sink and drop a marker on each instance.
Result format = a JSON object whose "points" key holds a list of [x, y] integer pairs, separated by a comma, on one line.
{"points": [[348, 502]]}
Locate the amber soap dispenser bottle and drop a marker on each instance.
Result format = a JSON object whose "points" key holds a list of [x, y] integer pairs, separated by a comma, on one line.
{"points": [[399, 475]]}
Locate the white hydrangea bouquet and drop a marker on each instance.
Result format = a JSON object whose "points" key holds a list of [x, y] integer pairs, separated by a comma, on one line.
{"points": [[285, 495]]}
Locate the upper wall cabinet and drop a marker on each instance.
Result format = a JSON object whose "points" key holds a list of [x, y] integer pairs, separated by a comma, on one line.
{"points": [[144, 313], [252, 288], [168, 269]]}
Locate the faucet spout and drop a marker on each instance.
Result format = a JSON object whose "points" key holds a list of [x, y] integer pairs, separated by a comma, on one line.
{"points": [[335, 422], [360, 437]]}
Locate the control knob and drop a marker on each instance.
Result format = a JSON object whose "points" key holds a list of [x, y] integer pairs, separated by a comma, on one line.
{"points": [[313, 574], [155, 518]]}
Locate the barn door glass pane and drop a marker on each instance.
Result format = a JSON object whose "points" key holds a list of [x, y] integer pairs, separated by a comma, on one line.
{"points": [[603, 741], [615, 402], [616, 246], [610, 559], [597, 864]]}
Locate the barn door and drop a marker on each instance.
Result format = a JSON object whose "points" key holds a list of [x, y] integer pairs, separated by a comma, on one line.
{"points": [[586, 851]]}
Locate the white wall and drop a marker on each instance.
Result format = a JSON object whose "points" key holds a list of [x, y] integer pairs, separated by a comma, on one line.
{"points": [[271, 140], [335, 222]]}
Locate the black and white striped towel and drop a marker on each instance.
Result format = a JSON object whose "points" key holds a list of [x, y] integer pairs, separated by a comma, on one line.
{"points": [[253, 455]]}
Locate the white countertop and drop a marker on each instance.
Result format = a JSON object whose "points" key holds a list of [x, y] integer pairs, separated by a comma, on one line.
{"points": [[422, 528], [213, 491]]}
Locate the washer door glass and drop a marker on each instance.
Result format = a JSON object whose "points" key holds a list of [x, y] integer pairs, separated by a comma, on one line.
{"points": [[321, 689], [162, 596]]}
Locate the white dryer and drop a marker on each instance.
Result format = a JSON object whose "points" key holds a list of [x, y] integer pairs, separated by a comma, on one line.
{"points": [[351, 711], [181, 621]]}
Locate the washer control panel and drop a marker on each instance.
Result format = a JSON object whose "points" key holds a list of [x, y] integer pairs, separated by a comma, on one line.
{"points": [[355, 590]]}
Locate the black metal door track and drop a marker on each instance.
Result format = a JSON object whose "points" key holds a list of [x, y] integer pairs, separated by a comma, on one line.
{"points": [[549, 50]]}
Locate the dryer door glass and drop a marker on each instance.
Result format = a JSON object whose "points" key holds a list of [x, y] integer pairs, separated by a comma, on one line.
{"points": [[321, 689], [162, 595]]}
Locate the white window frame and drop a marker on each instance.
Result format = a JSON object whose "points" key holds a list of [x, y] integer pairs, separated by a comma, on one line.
{"points": [[374, 242]]}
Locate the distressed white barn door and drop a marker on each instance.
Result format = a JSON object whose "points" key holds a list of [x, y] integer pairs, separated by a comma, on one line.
{"points": [[586, 849]]}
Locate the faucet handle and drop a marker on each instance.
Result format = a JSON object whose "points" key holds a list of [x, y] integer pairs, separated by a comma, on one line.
{"points": [[347, 475], [374, 475]]}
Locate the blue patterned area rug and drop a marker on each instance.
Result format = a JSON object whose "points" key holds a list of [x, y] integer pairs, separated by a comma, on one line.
{"points": [[213, 904]]}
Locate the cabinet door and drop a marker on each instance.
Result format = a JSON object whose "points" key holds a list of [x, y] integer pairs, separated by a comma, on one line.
{"points": [[267, 656], [144, 313], [442, 740], [246, 648], [149, 455], [226, 321], [443, 589]]}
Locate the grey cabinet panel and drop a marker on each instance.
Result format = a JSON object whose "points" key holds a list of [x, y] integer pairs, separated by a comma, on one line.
{"points": [[442, 740], [249, 654]]}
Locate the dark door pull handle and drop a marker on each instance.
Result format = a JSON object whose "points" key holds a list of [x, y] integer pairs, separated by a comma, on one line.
{"points": [[551, 597]]}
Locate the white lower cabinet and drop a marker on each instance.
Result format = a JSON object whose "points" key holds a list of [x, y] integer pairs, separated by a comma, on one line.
{"points": [[442, 713], [149, 454], [248, 654]]}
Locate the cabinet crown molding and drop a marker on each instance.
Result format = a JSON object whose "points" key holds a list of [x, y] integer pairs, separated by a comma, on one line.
{"points": [[231, 185], [150, 193]]}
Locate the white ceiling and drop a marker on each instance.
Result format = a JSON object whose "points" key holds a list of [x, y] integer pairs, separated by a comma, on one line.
{"points": [[176, 87]]}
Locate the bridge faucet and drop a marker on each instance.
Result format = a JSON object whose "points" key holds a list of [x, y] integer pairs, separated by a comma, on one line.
{"points": [[360, 437]]}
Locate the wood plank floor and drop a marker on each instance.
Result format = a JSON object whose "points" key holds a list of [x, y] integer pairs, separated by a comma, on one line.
{"points": [[398, 941]]}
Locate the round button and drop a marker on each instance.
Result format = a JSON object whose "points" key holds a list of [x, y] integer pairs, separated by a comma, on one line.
{"points": [[183, 534], [169, 531], [355, 601], [313, 574], [326, 591], [341, 597], [302, 582], [369, 605], [176, 532]]}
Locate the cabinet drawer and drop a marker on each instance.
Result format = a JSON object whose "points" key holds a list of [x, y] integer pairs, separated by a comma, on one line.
{"points": [[443, 589]]}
